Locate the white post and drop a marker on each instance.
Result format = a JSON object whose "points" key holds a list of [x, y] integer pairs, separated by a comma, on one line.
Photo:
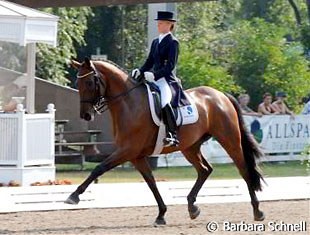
{"points": [[51, 110], [31, 61], [22, 135]]}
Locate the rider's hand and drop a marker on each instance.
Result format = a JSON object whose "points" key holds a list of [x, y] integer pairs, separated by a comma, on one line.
{"points": [[149, 76], [135, 73]]}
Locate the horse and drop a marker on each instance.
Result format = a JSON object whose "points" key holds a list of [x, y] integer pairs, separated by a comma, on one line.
{"points": [[135, 133]]}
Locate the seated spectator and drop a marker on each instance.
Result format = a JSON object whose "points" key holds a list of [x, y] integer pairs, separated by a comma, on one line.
{"points": [[306, 109], [280, 105], [12, 88], [244, 100], [266, 107]]}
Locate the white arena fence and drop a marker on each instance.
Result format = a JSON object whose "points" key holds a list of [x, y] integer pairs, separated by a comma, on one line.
{"points": [[281, 137]]}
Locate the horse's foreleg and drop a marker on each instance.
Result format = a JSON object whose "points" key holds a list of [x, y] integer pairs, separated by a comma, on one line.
{"points": [[204, 169], [109, 163], [143, 167]]}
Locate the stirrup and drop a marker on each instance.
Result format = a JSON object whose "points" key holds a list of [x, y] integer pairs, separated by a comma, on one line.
{"points": [[171, 140]]}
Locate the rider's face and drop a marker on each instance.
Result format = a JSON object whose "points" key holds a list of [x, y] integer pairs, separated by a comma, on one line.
{"points": [[163, 26]]}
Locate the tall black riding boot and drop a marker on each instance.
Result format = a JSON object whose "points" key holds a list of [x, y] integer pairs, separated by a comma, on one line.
{"points": [[171, 126]]}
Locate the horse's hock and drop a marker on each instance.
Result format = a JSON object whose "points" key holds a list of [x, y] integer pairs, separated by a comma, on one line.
{"points": [[27, 146]]}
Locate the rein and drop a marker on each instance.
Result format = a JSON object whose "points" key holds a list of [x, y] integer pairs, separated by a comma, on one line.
{"points": [[102, 104]]}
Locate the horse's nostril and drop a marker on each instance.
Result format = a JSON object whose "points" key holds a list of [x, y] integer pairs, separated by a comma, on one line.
{"points": [[87, 117]]}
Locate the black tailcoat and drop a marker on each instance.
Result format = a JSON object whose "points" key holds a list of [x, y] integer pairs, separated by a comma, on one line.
{"points": [[162, 58]]}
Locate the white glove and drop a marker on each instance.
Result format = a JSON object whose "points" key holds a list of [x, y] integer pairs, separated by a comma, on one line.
{"points": [[149, 76], [135, 73]]}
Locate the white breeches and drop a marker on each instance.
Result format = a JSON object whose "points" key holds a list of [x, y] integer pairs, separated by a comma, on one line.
{"points": [[165, 92]]}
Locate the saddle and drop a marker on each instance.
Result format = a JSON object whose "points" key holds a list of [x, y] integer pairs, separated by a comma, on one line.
{"points": [[185, 114]]}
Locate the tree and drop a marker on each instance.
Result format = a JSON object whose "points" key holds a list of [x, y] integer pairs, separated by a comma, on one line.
{"points": [[204, 45], [263, 61], [120, 32], [13, 56], [52, 62]]}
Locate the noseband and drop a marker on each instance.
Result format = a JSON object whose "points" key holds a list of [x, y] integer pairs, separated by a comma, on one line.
{"points": [[100, 103]]}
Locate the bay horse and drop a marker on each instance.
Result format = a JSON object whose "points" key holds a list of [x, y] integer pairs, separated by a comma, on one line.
{"points": [[135, 133]]}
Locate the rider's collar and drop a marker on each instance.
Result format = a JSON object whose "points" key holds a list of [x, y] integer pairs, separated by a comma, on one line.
{"points": [[162, 35]]}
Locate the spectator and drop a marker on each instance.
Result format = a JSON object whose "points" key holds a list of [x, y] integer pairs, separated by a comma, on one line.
{"points": [[280, 105], [10, 89], [244, 100], [266, 107], [306, 109]]}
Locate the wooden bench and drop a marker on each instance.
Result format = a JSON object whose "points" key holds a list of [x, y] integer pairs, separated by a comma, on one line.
{"points": [[60, 135], [86, 150], [76, 152], [91, 132], [69, 158]]}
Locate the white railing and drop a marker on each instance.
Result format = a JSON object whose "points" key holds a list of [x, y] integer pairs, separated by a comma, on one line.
{"points": [[27, 139], [8, 139], [27, 146]]}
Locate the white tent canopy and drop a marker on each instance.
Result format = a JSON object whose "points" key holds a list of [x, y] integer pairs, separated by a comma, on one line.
{"points": [[26, 26]]}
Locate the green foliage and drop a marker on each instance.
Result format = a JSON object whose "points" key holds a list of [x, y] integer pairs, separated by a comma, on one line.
{"points": [[203, 45], [306, 157], [196, 69], [262, 61], [243, 45], [132, 36], [234, 46], [12, 56], [52, 62], [120, 32], [305, 38]]}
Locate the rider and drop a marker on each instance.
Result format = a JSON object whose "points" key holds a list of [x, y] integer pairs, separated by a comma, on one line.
{"points": [[159, 67]]}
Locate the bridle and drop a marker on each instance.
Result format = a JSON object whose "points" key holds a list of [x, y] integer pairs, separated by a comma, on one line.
{"points": [[100, 103], [99, 85]]}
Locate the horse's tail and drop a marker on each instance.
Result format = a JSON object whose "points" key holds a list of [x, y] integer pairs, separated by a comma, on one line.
{"points": [[250, 148]]}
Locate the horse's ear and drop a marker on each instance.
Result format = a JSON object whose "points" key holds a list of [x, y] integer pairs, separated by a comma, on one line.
{"points": [[87, 61], [75, 64]]}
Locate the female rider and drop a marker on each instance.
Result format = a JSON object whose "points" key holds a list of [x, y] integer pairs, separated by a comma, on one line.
{"points": [[159, 68]]}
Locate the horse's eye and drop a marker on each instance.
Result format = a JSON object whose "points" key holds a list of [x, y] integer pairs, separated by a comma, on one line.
{"points": [[89, 84]]}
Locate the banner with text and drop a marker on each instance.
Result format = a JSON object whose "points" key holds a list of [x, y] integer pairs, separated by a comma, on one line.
{"points": [[275, 134]]}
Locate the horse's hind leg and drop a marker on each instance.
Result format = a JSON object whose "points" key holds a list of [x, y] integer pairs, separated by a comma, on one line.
{"points": [[204, 169], [143, 167], [234, 150]]}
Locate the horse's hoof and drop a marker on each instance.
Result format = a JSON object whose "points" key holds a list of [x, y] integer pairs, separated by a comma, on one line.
{"points": [[73, 199], [259, 216], [194, 212], [159, 222]]}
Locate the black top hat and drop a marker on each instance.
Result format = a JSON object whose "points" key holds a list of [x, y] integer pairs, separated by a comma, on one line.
{"points": [[280, 94], [165, 15]]}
